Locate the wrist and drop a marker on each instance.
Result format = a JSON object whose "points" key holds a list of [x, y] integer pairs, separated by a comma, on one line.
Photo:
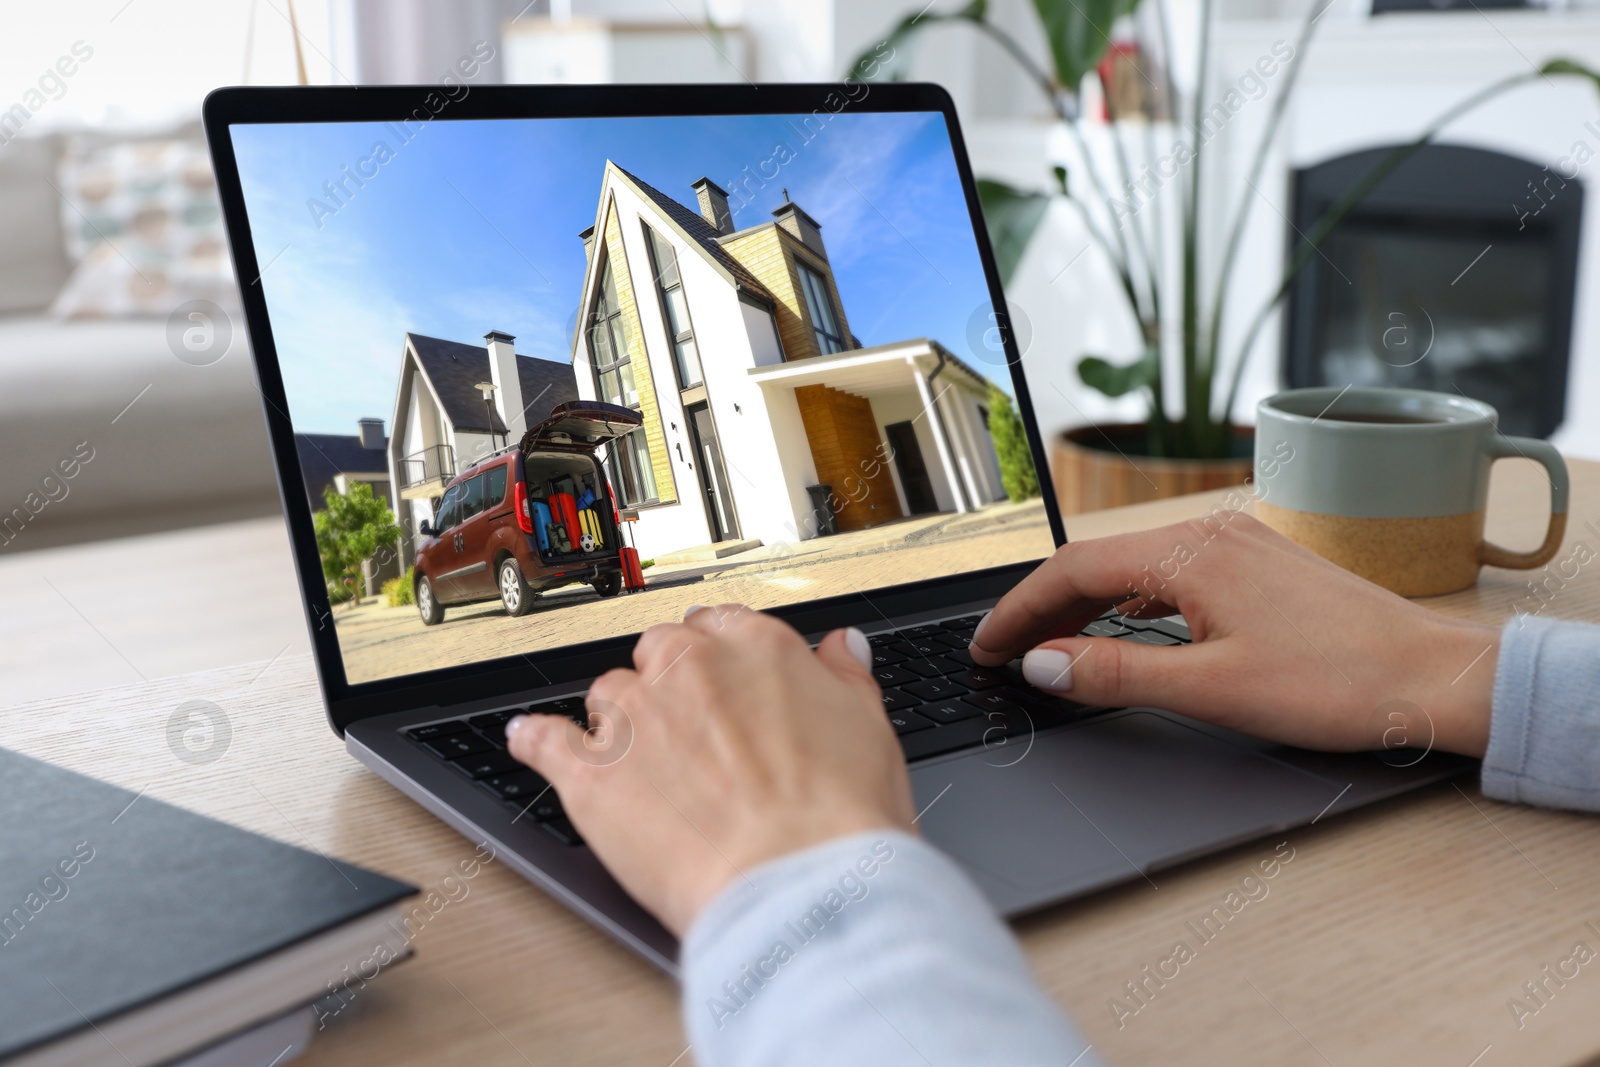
{"points": [[1461, 700], [775, 840]]}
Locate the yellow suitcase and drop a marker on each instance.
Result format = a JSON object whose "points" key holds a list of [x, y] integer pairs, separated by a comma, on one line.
{"points": [[589, 520]]}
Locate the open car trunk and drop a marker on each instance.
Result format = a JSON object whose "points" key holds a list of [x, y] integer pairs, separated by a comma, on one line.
{"points": [[569, 503], [587, 530]]}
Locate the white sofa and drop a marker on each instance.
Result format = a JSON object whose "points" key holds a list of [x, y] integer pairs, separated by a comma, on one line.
{"points": [[191, 449]]}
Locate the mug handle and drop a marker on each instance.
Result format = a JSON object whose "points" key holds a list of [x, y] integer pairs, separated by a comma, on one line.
{"points": [[1542, 452]]}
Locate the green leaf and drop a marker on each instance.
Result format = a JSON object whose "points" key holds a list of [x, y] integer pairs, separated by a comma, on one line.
{"points": [[1114, 379], [1060, 174], [1078, 32], [1012, 216], [1570, 66], [890, 58]]}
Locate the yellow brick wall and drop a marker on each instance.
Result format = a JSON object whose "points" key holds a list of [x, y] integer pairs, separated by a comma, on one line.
{"points": [[649, 410], [844, 445], [770, 254]]}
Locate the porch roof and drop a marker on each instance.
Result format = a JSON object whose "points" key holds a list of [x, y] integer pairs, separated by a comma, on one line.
{"points": [[865, 371]]}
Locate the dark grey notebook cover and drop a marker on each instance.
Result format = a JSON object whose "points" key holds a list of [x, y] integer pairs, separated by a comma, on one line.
{"points": [[107, 902]]}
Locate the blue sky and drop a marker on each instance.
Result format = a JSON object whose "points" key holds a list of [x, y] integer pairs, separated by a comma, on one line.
{"points": [[473, 226]]}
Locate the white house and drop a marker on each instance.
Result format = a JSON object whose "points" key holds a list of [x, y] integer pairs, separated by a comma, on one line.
{"points": [[735, 347], [443, 422]]}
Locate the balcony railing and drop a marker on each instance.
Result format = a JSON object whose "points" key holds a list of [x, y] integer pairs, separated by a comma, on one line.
{"points": [[424, 474]]}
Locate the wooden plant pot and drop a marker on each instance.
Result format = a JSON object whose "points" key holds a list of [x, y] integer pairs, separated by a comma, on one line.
{"points": [[1097, 467]]}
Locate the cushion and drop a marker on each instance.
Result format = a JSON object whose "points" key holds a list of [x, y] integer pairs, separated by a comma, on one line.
{"points": [[143, 219]]}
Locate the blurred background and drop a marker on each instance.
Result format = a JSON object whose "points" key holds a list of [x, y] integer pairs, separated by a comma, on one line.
{"points": [[1470, 268]]}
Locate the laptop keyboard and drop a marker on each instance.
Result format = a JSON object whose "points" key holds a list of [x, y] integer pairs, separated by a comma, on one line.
{"points": [[937, 699]]}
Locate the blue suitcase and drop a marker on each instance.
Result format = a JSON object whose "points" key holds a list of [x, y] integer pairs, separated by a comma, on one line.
{"points": [[541, 523]]}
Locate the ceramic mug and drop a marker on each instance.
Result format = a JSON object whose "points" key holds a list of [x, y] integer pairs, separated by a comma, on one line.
{"points": [[1392, 483]]}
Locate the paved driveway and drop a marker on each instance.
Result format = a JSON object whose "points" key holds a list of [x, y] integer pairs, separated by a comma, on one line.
{"points": [[381, 642]]}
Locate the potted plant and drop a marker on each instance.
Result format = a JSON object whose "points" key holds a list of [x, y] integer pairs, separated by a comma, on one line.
{"points": [[1186, 442]]}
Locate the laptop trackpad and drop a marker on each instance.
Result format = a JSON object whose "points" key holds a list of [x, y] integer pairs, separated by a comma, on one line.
{"points": [[1090, 806]]}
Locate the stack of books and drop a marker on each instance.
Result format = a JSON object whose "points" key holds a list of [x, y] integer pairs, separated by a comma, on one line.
{"points": [[133, 932]]}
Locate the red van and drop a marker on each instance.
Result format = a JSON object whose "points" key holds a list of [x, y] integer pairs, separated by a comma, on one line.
{"points": [[536, 516]]}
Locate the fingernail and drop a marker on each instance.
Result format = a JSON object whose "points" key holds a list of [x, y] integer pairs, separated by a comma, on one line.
{"points": [[513, 724], [692, 608], [1049, 669], [977, 631], [858, 645]]}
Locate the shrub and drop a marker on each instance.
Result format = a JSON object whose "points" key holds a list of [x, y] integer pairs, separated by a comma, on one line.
{"points": [[401, 592], [1021, 481]]}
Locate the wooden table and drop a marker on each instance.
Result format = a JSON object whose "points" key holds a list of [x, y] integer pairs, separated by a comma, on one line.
{"points": [[1396, 935]]}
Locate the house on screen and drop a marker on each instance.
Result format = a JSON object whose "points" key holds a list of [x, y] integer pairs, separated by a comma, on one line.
{"points": [[735, 347], [338, 461], [443, 423]]}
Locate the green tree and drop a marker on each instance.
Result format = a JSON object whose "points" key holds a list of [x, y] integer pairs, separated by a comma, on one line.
{"points": [[350, 530], [1011, 446]]}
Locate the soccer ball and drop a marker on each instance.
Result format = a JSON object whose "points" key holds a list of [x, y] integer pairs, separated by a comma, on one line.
{"points": [[586, 542]]}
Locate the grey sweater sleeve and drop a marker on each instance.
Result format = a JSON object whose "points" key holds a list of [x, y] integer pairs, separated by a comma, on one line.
{"points": [[872, 949], [1544, 736]]}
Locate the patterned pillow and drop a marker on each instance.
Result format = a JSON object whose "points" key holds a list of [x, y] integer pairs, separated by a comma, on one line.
{"points": [[143, 221]]}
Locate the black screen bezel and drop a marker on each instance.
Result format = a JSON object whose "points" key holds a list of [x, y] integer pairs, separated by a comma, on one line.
{"points": [[489, 679]]}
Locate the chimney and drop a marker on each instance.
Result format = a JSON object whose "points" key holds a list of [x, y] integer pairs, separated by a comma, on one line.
{"points": [[714, 205], [370, 431], [508, 386], [803, 226], [587, 236]]}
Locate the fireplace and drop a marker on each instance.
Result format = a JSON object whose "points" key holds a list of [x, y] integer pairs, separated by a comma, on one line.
{"points": [[1457, 273]]}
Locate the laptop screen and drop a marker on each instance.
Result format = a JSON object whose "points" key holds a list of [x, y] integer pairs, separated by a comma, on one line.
{"points": [[555, 380]]}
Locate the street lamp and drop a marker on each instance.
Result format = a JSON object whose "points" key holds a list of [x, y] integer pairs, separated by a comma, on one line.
{"points": [[487, 389]]}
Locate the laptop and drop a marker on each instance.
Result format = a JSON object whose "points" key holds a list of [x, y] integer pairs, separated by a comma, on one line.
{"points": [[543, 366]]}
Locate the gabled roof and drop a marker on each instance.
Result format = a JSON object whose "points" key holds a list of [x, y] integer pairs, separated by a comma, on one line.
{"points": [[455, 369], [700, 231], [322, 455]]}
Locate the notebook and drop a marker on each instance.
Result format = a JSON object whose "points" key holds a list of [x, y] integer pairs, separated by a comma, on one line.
{"points": [[132, 931]]}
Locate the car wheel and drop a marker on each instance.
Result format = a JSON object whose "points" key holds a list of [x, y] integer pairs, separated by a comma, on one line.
{"points": [[610, 585], [514, 592], [428, 605]]}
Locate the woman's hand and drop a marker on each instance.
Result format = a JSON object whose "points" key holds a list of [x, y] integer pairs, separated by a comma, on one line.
{"points": [[729, 744], [1287, 646]]}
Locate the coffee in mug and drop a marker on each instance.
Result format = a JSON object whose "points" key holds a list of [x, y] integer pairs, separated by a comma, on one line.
{"points": [[1392, 483]]}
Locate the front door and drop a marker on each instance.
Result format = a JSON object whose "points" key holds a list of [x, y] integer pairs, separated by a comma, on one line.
{"points": [[724, 525], [913, 471]]}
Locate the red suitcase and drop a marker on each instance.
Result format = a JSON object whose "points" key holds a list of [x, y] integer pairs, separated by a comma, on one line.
{"points": [[565, 510], [632, 575]]}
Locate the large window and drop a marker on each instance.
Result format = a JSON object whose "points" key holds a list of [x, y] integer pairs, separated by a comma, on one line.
{"points": [[674, 309], [819, 304], [608, 346], [628, 465]]}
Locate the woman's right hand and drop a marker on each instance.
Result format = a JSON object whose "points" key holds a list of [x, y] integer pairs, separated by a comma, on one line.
{"points": [[1287, 646]]}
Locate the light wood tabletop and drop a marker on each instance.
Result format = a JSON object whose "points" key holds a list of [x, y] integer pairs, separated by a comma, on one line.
{"points": [[1398, 934]]}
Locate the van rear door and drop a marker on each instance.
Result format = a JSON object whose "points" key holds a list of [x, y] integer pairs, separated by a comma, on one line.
{"points": [[583, 423]]}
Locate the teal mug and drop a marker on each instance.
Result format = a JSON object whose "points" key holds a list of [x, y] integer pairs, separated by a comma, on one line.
{"points": [[1393, 483]]}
